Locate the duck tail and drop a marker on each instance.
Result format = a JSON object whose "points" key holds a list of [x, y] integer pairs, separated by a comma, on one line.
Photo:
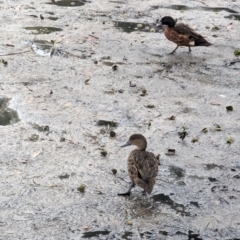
{"points": [[202, 42], [146, 185], [149, 186]]}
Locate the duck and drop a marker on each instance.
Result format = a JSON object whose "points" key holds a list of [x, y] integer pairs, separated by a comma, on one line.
{"points": [[182, 34], [142, 165]]}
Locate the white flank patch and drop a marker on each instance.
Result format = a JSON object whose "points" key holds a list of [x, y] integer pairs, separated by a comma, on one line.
{"points": [[192, 43]]}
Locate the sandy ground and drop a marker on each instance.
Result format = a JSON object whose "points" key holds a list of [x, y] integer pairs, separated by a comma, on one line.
{"points": [[56, 146]]}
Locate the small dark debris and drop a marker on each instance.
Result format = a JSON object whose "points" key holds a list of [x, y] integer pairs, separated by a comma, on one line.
{"points": [[94, 234], [64, 176], [195, 139], [127, 235], [211, 179], [236, 176], [103, 152], [121, 91], [229, 108], [164, 233], [237, 52], [182, 135], [132, 84], [210, 166], [86, 81], [215, 28], [217, 127], [41, 128], [81, 188], [193, 236], [114, 171], [229, 140], [114, 67], [196, 204], [34, 138], [219, 188], [62, 139], [35, 16], [172, 118], [107, 123], [170, 151], [144, 92], [204, 130], [112, 133], [181, 183], [5, 63], [41, 17], [150, 106]]}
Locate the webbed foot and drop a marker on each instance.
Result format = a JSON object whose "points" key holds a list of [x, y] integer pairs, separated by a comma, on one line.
{"points": [[171, 53], [124, 194], [128, 191]]}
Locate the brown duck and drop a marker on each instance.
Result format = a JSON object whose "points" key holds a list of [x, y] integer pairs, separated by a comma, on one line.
{"points": [[142, 165], [182, 34]]}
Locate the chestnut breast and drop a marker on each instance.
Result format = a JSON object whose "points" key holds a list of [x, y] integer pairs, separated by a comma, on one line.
{"points": [[180, 39]]}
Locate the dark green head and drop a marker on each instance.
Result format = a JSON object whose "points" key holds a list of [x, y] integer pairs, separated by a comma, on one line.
{"points": [[138, 140], [169, 21]]}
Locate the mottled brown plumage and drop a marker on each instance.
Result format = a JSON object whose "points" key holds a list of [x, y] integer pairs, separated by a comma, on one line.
{"points": [[142, 165], [182, 34]]}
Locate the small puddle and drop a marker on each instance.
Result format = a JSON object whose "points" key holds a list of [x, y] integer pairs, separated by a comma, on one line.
{"points": [[7, 115], [94, 234], [42, 47], [127, 235], [111, 63], [177, 171], [51, 13], [233, 17], [136, 26], [40, 128], [185, 8], [53, 18], [211, 166], [196, 204], [42, 30], [68, 3], [119, 2]]}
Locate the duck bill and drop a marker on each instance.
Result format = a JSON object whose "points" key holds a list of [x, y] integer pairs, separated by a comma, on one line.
{"points": [[126, 144]]}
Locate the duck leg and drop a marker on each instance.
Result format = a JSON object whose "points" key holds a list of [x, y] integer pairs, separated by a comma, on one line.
{"points": [[189, 49], [128, 191], [174, 50]]}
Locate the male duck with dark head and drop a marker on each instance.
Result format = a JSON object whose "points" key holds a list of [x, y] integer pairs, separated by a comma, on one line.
{"points": [[142, 165], [182, 34]]}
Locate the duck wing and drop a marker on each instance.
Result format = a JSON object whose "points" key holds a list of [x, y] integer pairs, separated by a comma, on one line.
{"points": [[185, 30], [146, 165]]}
